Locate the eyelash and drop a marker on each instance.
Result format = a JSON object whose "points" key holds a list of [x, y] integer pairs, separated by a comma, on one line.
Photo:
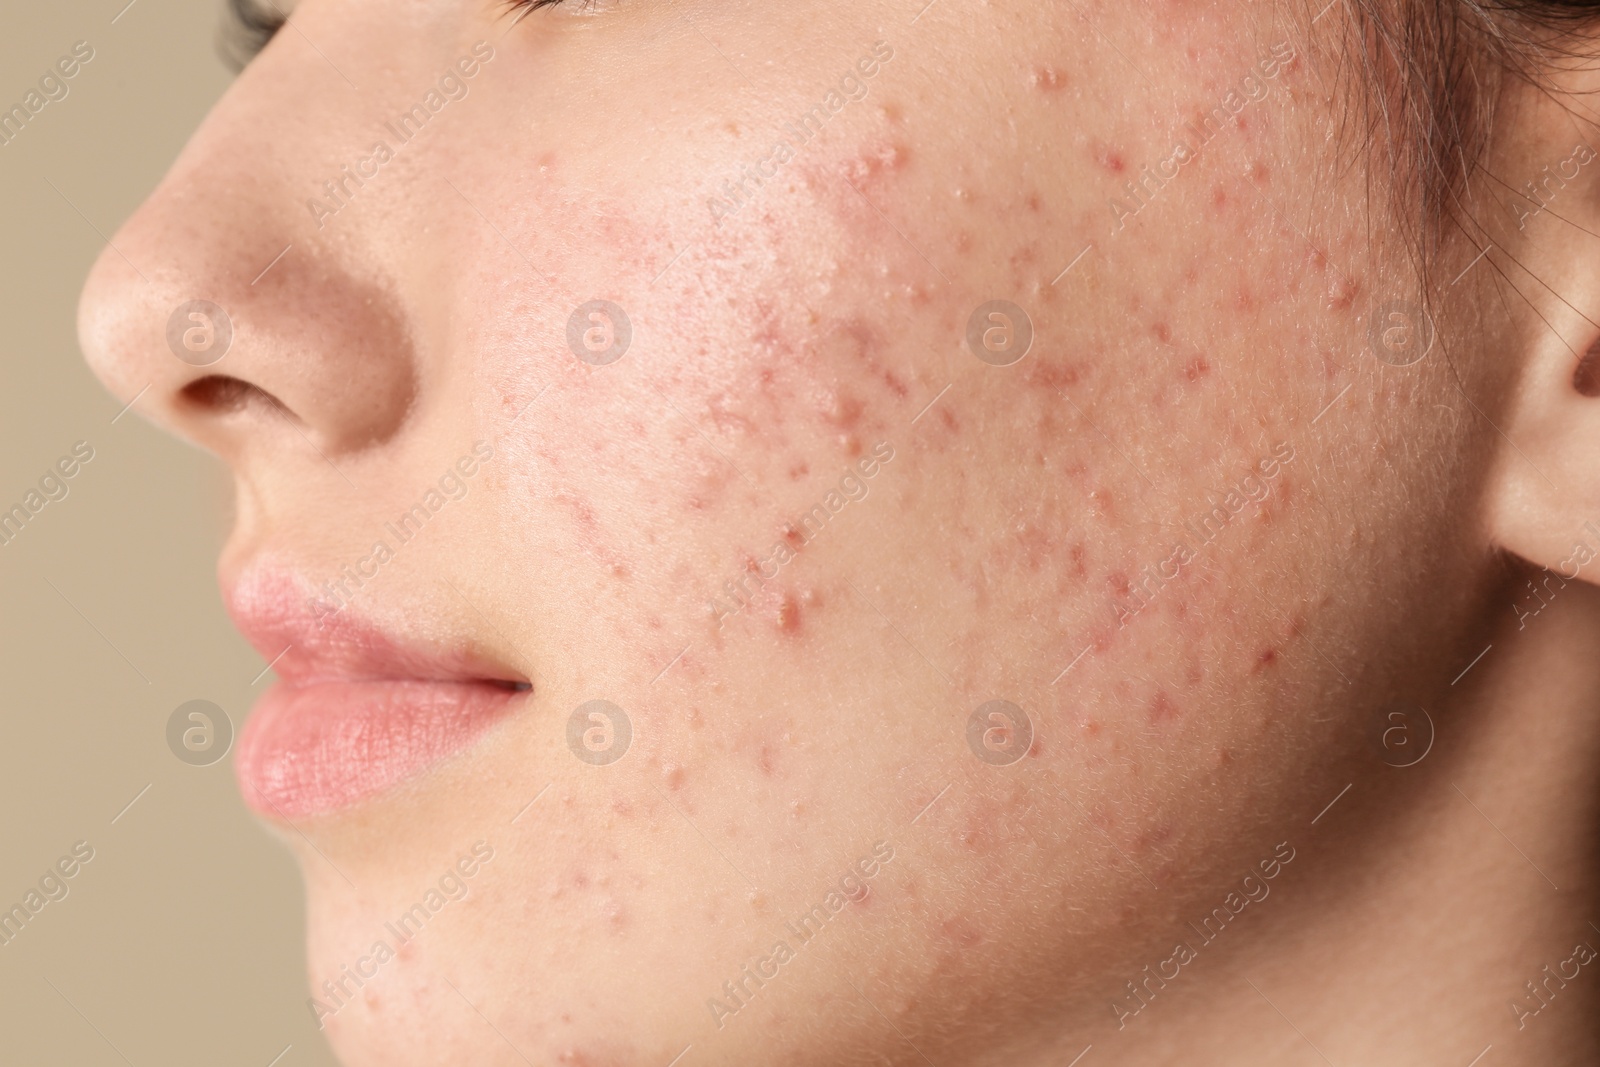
{"points": [[251, 24]]}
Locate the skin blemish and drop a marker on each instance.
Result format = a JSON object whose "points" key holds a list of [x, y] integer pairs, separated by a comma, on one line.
{"points": [[1052, 377], [844, 411], [1163, 332], [789, 615], [1342, 292], [1110, 159], [1162, 708], [871, 165], [1259, 173], [1047, 79], [1198, 368], [1264, 659]]}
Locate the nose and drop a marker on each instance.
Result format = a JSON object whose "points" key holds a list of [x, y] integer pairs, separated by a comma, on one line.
{"points": [[222, 306]]}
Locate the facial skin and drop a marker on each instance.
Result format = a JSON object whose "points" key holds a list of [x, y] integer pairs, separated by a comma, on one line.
{"points": [[1019, 537]]}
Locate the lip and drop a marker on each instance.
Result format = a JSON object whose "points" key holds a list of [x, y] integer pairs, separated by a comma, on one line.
{"points": [[357, 709]]}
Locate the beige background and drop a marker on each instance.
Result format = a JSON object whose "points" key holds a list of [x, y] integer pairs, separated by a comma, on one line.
{"points": [[181, 941]]}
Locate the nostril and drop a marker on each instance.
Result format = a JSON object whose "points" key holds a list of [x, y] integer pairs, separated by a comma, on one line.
{"points": [[1586, 379], [222, 394]]}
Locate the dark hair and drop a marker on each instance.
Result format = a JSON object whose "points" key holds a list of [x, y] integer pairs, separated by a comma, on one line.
{"points": [[1435, 73]]}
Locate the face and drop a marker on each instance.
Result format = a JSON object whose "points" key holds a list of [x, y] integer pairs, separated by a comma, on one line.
{"points": [[801, 531]]}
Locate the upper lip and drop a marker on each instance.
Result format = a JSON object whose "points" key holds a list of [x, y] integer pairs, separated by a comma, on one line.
{"points": [[273, 609]]}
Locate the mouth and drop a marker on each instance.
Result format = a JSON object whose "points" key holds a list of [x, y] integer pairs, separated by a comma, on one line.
{"points": [[357, 709]]}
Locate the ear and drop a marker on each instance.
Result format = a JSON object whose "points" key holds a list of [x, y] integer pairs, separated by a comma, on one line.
{"points": [[1544, 492], [1543, 500]]}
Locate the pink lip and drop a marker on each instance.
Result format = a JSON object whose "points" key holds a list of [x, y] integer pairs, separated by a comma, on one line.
{"points": [[355, 712]]}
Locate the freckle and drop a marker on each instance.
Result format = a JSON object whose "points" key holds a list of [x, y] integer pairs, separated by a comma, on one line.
{"points": [[764, 761], [674, 776], [1091, 727], [797, 808], [1162, 708], [1163, 332], [1078, 569], [1219, 197], [1259, 173], [374, 1002], [896, 386], [1034, 204], [798, 471], [731, 127], [1198, 368], [851, 444], [948, 417], [757, 900], [1118, 582], [892, 112]]}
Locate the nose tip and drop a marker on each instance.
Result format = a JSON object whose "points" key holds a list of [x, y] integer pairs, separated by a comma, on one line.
{"points": [[218, 319]]}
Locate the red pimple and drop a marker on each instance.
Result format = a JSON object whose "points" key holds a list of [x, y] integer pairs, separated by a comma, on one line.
{"points": [[1163, 332], [844, 411], [1111, 160], [1197, 369], [1264, 659]]}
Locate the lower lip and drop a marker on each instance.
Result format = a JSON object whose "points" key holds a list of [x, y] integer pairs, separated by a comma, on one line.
{"points": [[314, 749]]}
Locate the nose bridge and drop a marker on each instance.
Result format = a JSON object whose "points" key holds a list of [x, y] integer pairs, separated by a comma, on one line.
{"points": [[226, 274]]}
